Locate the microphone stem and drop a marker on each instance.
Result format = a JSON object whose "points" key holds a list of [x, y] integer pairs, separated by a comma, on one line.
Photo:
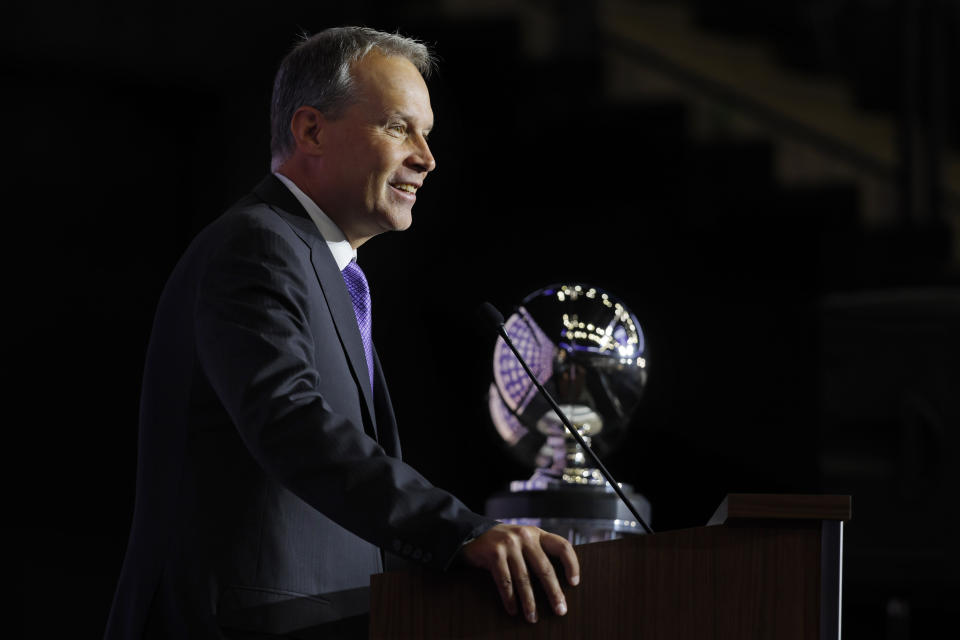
{"points": [[573, 432]]}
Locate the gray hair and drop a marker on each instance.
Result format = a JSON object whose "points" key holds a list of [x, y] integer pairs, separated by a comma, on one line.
{"points": [[316, 73]]}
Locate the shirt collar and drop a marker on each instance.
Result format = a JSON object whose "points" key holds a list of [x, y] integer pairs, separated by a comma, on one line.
{"points": [[339, 246]]}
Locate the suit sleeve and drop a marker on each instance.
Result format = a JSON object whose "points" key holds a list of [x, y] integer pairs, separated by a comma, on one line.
{"points": [[257, 350]]}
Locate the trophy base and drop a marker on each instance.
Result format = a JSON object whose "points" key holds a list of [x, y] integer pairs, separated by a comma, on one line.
{"points": [[581, 514]]}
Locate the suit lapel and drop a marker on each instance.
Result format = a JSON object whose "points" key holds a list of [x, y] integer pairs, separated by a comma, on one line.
{"points": [[274, 193]]}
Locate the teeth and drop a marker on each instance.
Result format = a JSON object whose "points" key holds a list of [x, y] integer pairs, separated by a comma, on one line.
{"points": [[409, 188]]}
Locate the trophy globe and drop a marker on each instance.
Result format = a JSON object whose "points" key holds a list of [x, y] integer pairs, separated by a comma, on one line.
{"points": [[587, 349]]}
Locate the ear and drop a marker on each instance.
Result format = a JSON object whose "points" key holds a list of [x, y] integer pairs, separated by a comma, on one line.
{"points": [[307, 127]]}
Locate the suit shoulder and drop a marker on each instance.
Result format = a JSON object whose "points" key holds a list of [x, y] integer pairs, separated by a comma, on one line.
{"points": [[251, 220], [252, 214], [249, 230]]}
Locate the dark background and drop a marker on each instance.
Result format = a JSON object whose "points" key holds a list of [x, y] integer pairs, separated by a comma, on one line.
{"points": [[792, 348]]}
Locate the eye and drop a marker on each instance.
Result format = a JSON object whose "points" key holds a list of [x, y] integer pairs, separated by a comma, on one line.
{"points": [[398, 128]]}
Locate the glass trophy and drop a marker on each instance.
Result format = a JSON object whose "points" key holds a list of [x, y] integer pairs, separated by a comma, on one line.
{"points": [[587, 350]]}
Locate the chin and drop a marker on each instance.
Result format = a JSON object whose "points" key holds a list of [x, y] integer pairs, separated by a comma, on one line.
{"points": [[395, 221]]}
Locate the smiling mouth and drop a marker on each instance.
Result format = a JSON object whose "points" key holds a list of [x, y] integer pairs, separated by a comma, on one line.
{"points": [[405, 187]]}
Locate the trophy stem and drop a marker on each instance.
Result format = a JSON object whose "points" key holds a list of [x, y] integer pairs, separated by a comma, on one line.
{"points": [[576, 470]]}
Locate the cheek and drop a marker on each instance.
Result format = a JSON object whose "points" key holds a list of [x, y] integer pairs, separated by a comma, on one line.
{"points": [[387, 157], [382, 170], [371, 167]]}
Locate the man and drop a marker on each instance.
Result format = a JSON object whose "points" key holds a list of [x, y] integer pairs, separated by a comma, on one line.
{"points": [[269, 476]]}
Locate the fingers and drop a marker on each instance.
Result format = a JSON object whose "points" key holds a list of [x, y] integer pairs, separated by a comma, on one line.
{"points": [[540, 563], [523, 586], [561, 548], [512, 554], [502, 577], [548, 580]]}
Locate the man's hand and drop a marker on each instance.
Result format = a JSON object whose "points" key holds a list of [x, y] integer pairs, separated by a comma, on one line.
{"points": [[511, 553]]}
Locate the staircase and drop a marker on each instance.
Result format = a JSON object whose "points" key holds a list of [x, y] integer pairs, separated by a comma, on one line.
{"points": [[751, 207]]}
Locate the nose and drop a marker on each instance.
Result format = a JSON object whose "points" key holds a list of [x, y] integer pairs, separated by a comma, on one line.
{"points": [[421, 158]]}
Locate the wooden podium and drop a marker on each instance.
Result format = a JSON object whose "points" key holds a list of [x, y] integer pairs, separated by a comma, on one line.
{"points": [[766, 566]]}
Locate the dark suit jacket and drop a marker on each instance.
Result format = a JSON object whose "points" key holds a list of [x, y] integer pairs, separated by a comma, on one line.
{"points": [[269, 477]]}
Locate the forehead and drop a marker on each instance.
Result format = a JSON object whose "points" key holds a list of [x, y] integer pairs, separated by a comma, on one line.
{"points": [[391, 84]]}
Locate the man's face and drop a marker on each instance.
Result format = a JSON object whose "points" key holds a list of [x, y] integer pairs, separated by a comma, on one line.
{"points": [[375, 156]]}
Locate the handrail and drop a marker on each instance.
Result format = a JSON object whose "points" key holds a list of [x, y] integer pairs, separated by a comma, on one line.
{"points": [[879, 165], [740, 100]]}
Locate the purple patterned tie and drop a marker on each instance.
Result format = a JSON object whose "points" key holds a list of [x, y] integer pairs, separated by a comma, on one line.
{"points": [[360, 293]]}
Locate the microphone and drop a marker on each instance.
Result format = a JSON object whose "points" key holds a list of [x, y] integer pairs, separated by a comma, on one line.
{"points": [[496, 319]]}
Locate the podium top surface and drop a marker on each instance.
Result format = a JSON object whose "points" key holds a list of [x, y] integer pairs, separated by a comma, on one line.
{"points": [[760, 506]]}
